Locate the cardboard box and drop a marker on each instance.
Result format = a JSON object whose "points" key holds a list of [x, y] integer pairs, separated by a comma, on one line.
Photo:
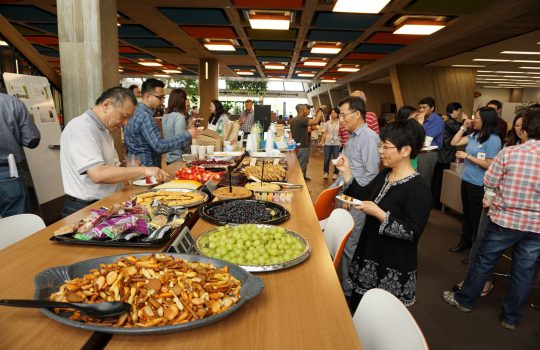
{"points": [[209, 138]]}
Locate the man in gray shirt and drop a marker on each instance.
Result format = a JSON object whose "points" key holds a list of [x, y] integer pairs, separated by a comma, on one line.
{"points": [[17, 129], [299, 130], [362, 151]]}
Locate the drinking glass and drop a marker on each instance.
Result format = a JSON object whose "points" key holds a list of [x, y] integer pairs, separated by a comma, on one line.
{"points": [[132, 160]]}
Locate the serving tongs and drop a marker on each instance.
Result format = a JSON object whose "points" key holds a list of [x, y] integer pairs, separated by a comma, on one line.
{"points": [[287, 185], [100, 310]]}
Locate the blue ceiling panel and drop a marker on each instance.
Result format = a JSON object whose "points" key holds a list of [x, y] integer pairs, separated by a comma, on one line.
{"points": [[195, 16], [136, 55], [273, 45], [26, 13], [48, 27], [378, 48], [47, 51], [347, 21], [273, 59], [242, 67], [148, 42], [238, 52], [130, 30], [343, 36]]}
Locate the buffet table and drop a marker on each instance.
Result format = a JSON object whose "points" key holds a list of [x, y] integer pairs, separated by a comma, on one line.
{"points": [[300, 308]]}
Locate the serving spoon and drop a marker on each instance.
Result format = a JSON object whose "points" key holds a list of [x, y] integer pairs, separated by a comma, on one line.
{"points": [[106, 309]]}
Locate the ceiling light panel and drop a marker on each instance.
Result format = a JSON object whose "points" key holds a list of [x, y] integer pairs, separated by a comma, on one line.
{"points": [[327, 49], [219, 46], [490, 60], [271, 22], [467, 65], [274, 66], [419, 27], [150, 64], [355, 6], [521, 52], [315, 63], [348, 69]]}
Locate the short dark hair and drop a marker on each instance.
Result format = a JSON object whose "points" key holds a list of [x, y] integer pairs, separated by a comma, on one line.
{"points": [[405, 133], [177, 101], [405, 112], [117, 95], [490, 123], [453, 106], [430, 101], [150, 85], [133, 87], [248, 100], [356, 104], [496, 103], [531, 123]]}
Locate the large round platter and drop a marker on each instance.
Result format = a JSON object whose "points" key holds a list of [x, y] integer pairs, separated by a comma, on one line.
{"points": [[206, 212], [267, 268], [204, 196], [50, 280], [262, 187]]}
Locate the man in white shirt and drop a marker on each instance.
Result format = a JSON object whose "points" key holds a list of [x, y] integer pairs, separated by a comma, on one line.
{"points": [[88, 159]]}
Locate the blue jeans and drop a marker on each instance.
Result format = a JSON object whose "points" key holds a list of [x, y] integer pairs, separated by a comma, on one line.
{"points": [[330, 152], [525, 252], [14, 197]]}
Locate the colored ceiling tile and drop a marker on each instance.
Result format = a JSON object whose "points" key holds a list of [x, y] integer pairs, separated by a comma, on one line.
{"points": [[358, 62], [48, 27], [210, 32], [42, 39], [274, 4], [195, 16], [273, 45], [166, 50], [242, 67], [378, 48], [124, 60], [127, 49], [238, 52], [26, 13], [390, 38], [273, 59], [347, 21], [343, 36], [148, 42], [437, 7], [134, 30], [25, 30], [365, 56], [137, 55], [277, 53], [261, 34]]}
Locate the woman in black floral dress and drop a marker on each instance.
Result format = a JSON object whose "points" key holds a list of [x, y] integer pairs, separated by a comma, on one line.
{"points": [[397, 204]]}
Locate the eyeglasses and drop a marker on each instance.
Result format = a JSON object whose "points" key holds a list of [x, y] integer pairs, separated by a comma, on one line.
{"points": [[160, 97], [343, 115], [385, 147]]}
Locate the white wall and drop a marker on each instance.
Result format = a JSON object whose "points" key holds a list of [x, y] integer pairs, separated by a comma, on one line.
{"points": [[502, 95]]}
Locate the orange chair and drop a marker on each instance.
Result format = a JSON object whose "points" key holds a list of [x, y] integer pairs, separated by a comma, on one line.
{"points": [[325, 203], [337, 231]]}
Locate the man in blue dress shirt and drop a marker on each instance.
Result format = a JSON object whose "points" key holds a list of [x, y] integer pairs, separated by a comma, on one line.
{"points": [[434, 127]]}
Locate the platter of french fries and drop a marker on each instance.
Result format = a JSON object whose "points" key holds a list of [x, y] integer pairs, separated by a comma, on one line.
{"points": [[168, 292]]}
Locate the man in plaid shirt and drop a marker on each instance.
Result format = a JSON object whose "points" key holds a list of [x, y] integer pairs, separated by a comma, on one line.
{"points": [[142, 135], [514, 221]]}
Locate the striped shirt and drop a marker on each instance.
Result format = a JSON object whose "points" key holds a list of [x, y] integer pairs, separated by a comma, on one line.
{"points": [[515, 172], [372, 122]]}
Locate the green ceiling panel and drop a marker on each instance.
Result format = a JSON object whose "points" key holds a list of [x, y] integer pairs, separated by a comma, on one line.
{"points": [[458, 7], [261, 34]]}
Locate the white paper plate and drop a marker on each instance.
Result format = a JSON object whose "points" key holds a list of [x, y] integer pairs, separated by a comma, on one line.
{"points": [[353, 202], [142, 182]]}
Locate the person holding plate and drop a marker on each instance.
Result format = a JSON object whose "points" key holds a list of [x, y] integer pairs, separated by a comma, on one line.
{"points": [[397, 203]]}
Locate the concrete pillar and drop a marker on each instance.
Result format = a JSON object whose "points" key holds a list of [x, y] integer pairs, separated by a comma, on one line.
{"points": [[516, 95], [445, 85], [88, 38], [208, 85]]}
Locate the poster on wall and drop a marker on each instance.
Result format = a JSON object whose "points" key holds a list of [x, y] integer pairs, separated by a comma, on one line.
{"points": [[43, 161]]}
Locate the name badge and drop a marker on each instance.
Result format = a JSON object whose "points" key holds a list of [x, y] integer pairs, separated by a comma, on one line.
{"points": [[481, 155]]}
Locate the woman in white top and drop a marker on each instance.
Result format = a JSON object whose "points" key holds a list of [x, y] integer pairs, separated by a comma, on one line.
{"points": [[331, 142], [219, 118], [174, 122]]}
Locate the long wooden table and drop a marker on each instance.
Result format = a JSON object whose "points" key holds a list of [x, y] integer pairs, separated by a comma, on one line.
{"points": [[300, 308]]}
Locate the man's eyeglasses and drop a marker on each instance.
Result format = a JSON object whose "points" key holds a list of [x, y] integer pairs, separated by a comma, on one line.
{"points": [[385, 147], [343, 115], [160, 97]]}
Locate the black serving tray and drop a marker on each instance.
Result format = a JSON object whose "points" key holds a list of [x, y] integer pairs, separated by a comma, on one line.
{"points": [[205, 210], [136, 242]]}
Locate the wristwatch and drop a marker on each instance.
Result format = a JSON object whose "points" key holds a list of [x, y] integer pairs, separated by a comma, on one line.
{"points": [[463, 128]]}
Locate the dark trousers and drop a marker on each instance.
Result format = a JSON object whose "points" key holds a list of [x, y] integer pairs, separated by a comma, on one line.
{"points": [[72, 205], [436, 183], [14, 197], [471, 198]]}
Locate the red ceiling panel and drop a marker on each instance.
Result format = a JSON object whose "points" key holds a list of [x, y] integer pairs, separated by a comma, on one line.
{"points": [[127, 49], [274, 4], [390, 38], [42, 39], [124, 60], [276, 71], [210, 32], [365, 56]]}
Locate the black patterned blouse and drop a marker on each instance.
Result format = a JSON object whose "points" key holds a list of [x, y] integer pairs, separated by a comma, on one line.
{"points": [[386, 254]]}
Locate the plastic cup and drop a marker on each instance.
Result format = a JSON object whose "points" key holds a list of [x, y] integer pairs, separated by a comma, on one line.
{"points": [[194, 149], [132, 160], [427, 141], [489, 196], [210, 149], [201, 150]]}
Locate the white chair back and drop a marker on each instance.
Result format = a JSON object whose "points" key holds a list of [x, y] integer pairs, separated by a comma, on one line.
{"points": [[16, 227], [339, 223], [383, 322]]}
